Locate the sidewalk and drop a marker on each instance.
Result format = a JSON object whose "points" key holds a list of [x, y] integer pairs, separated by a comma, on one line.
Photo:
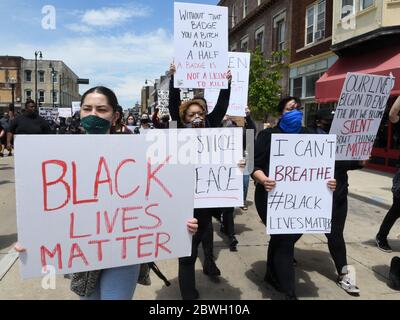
{"points": [[243, 271]]}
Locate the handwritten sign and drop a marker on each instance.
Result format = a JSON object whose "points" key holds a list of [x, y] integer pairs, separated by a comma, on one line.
{"points": [[64, 112], [201, 46], [163, 98], [76, 106], [48, 113], [187, 94], [359, 113], [215, 153], [239, 65], [301, 165], [102, 208]]}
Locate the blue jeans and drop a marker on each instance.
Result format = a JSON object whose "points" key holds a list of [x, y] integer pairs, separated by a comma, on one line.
{"points": [[246, 181], [116, 284]]}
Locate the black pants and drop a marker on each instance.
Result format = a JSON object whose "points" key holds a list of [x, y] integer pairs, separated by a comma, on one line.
{"points": [[187, 280], [391, 217], [228, 221], [280, 249], [336, 243]]}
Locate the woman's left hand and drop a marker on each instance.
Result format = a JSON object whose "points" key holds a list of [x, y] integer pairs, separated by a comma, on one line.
{"points": [[242, 164], [229, 76], [332, 184], [192, 226]]}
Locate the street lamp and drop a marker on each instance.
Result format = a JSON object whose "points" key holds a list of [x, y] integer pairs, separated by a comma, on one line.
{"points": [[37, 53], [53, 74]]}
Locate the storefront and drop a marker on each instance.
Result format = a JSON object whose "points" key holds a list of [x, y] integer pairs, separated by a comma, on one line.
{"points": [[386, 152], [303, 77]]}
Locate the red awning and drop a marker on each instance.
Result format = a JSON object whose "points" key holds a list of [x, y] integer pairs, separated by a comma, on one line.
{"points": [[380, 62]]}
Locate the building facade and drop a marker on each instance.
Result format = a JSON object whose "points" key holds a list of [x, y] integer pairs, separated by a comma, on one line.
{"points": [[51, 75], [311, 54], [260, 23], [366, 38], [10, 82]]}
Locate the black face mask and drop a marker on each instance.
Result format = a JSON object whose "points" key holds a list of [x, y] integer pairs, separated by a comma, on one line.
{"points": [[144, 121]]}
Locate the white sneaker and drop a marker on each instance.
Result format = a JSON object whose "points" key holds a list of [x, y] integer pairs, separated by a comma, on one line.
{"points": [[347, 281]]}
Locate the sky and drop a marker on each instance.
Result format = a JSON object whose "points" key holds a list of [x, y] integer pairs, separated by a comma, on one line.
{"points": [[118, 44]]}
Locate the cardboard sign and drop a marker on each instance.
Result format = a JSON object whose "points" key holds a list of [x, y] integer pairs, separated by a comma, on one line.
{"points": [[201, 46], [359, 113], [64, 112], [301, 165], [92, 202], [216, 153], [239, 64]]}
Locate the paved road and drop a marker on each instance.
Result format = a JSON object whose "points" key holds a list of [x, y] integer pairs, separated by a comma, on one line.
{"points": [[243, 271]]}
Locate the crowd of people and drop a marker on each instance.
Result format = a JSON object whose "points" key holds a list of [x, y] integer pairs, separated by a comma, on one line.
{"points": [[101, 114]]}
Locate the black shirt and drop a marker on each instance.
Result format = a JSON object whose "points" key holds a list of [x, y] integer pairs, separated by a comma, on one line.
{"points": [[29, 125]]}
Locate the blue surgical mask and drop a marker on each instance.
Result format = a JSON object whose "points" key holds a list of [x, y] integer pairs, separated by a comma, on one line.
{"points": [[291, 122]]}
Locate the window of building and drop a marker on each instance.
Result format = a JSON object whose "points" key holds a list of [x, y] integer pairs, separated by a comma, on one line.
{"points": [[244, 44], [298, 87], [259, 38], [245, 8], [41, 76], [41, 96], [258, 2], [28, 94], [28, 75], [315, 22], [280, 29], [364, 4], [234, 47], [310, 84], [347, 8]]}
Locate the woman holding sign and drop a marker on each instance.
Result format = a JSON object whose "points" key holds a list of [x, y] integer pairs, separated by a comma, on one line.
{"points": [[280, 268], [99, 107], [194, 114]]}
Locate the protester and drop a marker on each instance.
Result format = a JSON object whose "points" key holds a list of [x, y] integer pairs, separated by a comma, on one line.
{"points": [[119, 126], [394, 212], [27, 123], [194, 114], [3, 139], [280, 268], [144, 124], [249, 125], [336, 243], [130, 120], [160, 119], [99, 107]]}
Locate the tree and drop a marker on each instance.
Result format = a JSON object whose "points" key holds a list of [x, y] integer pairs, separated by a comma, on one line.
{"points": [[264, 88]]}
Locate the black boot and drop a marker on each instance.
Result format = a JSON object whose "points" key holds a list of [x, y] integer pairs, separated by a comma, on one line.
{"points": [[210, 268], [233, 244]]}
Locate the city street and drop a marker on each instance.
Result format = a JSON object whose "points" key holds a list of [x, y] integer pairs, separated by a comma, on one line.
{"points": [[242, 271]]}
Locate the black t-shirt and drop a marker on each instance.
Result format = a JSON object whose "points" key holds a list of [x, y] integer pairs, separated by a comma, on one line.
{"points": [[28, 125]]}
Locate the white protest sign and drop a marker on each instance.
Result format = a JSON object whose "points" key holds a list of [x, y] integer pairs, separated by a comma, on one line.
{"points": [[48, 113], [239, 65], [301, 165], [64, 112], [76, 106], [359, 113], [187, 94], [216, 153], [163, 98], [91, 202], [201, 46]]}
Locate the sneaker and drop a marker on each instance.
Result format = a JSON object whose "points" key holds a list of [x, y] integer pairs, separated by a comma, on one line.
{"points": [[383, 245], [244, 208], [345, 282], [210, 268]]}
